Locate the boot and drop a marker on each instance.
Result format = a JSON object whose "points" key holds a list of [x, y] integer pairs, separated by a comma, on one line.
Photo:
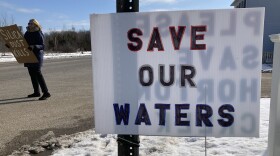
{"points": [[34, 95], [45, 96]]}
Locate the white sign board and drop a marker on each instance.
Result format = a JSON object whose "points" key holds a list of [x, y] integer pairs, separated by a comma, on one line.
{"points": [[179, 73]]}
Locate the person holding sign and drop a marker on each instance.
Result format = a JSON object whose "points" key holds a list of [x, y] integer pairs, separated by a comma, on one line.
{"points": [[35, 40]]}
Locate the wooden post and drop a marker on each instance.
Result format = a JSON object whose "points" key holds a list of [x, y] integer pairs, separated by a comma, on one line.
{"points": [[274, 118]]}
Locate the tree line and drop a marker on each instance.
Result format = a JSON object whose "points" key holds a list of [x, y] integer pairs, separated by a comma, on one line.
{"points": [[67, 41], [63, 41]]}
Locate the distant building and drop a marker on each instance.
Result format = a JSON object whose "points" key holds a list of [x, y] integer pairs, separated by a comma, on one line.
{"points": [[272, 18]]}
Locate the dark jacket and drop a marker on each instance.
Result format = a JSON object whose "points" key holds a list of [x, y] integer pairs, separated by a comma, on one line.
{"points": [[35, 39]]}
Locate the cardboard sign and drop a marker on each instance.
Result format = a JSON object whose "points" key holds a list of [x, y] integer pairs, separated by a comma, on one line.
{"points": [[178, 73], [18, 45]]}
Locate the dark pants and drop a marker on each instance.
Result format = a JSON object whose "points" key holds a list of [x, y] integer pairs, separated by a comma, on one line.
{"points": [[37, 79]]}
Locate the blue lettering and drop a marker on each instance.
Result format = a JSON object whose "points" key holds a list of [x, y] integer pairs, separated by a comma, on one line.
{"points": [[162, 112], [122, 113], [229, 117], [179, 115], [142, 115], [200, 116]]}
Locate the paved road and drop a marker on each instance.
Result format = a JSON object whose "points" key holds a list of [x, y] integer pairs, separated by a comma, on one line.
{"points": [[266, 85], [69, 110]]}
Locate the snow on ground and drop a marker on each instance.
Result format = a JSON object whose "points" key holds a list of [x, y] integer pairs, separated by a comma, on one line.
{"points": [[8, 57], [267, 68], [89, 143]]}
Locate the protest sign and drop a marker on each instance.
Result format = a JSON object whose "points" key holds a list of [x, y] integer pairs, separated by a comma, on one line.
{"points": [[18, 45]]}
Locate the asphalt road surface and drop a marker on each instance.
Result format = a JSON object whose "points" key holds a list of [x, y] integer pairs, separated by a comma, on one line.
{"points": [[68, 110], [266, 85]]}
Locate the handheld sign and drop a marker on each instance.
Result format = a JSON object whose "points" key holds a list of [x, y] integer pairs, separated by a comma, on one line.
{"points": [[178, 73], [18, 45]]}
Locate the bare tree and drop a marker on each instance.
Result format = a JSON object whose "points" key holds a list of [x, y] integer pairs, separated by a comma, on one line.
{"points": [[4, 21]]}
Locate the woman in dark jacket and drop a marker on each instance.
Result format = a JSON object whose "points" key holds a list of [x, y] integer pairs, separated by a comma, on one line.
{"points": [[35, 39]]}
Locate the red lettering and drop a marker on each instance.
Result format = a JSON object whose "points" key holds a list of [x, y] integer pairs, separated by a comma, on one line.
{"points": [[137, 42], [195, 37]]}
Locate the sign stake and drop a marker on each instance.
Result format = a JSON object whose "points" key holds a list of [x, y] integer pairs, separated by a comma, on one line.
{"points": [[128, 144]]}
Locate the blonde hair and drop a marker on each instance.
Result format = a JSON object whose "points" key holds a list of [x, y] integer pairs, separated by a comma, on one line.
{"points": [[34, 21]]}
